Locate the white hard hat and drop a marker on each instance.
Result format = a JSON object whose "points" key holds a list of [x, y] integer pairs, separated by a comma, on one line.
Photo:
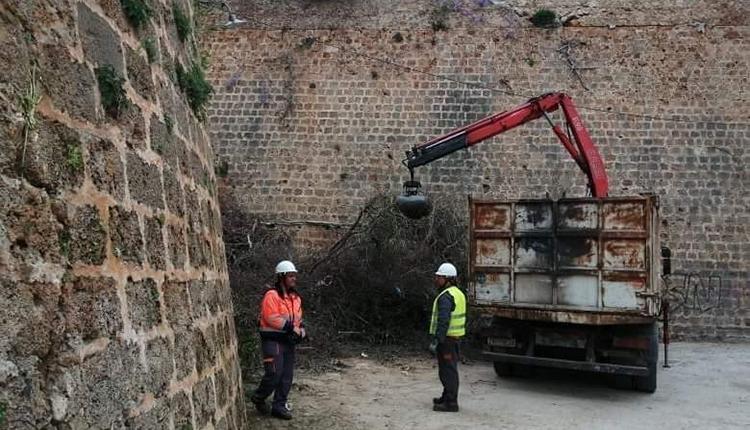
{"points": [[285, 266], [448, 270]]}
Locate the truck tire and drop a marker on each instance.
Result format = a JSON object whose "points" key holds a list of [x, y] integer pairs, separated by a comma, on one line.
{"points": [[648, 383]]}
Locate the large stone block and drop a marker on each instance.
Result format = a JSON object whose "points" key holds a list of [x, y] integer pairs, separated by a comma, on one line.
{"points": [[27, 222], [204, 402], [97, 398], [205, 349], [54, 159], [125, 234], [181, 411], [106, 168], [139, 74], [177, 303], [155, 250], [173, 192], [160, 368], [91, 309], [70, 84], [143, 303], [176, 245], [184, 354], [84, 239], [101, 44], [144, 181]]}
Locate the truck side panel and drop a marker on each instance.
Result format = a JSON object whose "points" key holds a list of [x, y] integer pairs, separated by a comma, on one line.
{"points": [[594, 258]]}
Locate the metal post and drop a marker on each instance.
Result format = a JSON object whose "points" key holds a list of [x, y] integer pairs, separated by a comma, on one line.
{"points": [[665, 332]]}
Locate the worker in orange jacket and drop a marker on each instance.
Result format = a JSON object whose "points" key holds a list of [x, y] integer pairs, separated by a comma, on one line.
{"points": [[280, 329]]}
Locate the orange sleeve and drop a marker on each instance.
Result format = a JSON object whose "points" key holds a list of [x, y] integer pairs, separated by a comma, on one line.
{"points": [[271, 311]]}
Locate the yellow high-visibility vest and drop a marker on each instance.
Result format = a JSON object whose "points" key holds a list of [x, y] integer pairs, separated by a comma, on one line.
{"points": [[457, 326]]}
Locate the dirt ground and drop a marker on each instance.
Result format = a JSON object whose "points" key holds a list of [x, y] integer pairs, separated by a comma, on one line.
{"points": [[707, 387]]}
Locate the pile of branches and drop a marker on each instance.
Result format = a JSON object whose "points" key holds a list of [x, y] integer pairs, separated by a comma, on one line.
{"points": [[373, 287]]}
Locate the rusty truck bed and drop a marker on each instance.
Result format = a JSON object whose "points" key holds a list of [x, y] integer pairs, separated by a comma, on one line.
{"points": [[584, 261]]}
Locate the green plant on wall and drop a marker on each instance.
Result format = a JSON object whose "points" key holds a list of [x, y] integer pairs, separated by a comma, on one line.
{"points": [[74, 157], [544, 18], [111, 90], [149, 45], [182, 22], [137, 12], [196, 88]]}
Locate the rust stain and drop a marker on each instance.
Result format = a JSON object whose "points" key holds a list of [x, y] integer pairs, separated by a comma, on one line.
{"points": [[564, 316], [626, 252], [491, 217], [624, 217]]}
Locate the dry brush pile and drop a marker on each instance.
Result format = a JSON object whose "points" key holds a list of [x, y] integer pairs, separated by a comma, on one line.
{"points": [[373, 288]]}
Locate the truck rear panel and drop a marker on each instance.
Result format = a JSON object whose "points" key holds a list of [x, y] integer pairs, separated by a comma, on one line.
{"points": [[583, 261]]}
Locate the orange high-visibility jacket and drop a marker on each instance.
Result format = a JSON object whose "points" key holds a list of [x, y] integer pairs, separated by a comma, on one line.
{"points": [[279, 316]]}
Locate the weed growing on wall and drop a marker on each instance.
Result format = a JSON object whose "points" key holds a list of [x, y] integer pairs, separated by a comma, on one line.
{"points": [[137, 12], [544, 18], [182, 22], [74, 158], [196, 88], [111, 89], [149, 45], [439, 17]]}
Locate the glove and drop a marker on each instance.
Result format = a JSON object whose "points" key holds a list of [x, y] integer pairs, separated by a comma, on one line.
{"points": [[433, 346]]}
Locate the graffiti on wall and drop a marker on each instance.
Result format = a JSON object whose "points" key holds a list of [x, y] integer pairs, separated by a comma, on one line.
{"points": [[695, 292]]}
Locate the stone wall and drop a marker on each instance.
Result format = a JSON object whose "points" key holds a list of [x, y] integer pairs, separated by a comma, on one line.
{"points": [[317, 101], [116, 308]]}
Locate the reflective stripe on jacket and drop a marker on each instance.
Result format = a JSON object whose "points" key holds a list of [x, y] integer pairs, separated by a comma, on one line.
{"points": [[280, 315], [457, 325]]}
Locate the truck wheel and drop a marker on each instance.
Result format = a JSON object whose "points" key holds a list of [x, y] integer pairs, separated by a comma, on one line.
{"points": [[503, 369], [648, 383]]}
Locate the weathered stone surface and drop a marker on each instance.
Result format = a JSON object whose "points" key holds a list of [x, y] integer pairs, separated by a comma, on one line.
{"points": [[54, 160], [85, 238], [176, 245], [173, 192], [144, 182], [160, 368], [106, 168], [155, 250], [155, 418], [101, 45], [184, 353], [181, 411], [91, 309], [125, 234], [70, 84], [28, 227], [177, 303], [205, 350], [143, 304], [221, 383], [204, 402], [94, 384], [139, 74]]}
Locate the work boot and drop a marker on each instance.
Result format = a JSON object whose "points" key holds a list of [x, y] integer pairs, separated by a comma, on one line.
{"points": [[437, 400], [260, 405], [446, 407], [282, 413]]}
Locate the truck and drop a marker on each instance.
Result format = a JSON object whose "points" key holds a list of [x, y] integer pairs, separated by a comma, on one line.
{"points": [[571, 283]]}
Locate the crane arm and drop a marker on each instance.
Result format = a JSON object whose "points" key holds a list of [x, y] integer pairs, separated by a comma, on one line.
{"points": [[581, 149]]}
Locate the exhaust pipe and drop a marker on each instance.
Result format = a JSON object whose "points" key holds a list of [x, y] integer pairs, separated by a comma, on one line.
{"points": [[412, 203]]}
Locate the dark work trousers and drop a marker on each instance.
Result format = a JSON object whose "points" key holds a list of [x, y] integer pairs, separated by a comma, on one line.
{"points": [[447, 355], [278, 362]]}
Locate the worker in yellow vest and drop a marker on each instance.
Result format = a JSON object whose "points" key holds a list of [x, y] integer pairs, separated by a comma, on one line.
{"points": [[447, 327]]}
